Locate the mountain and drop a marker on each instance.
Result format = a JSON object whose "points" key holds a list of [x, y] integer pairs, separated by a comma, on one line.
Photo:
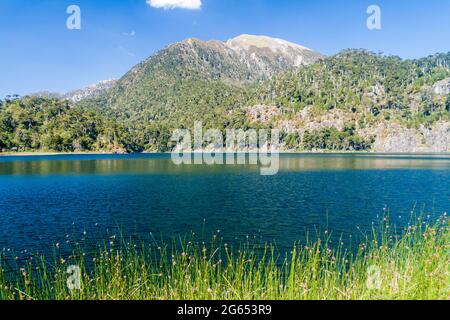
{"points": [[192, 75], [245, 59], [353, 101]]}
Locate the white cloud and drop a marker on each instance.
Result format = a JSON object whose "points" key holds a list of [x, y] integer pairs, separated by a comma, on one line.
{"points": [[173, 4]]}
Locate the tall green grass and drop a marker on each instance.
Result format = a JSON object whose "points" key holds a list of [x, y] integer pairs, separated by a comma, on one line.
{"points": [[412, 264]]}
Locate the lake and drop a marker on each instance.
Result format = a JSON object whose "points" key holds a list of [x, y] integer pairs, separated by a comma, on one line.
{"points": [[49, 199]]}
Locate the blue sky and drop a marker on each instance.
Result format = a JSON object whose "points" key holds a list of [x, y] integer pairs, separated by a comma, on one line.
{"points": [[38, 52]]}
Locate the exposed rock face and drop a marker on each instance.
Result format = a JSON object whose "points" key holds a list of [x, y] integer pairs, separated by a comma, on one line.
{"points": [[438, 138], [391, 137], [263, 113], [395, 138], [268, 56], [442, 87], [248, 42]]}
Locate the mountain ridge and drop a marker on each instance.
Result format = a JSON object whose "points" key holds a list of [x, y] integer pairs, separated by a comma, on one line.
{"points": [[79, 94]]}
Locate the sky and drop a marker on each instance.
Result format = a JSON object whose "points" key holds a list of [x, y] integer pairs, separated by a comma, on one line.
{"points": [[38, 51]]}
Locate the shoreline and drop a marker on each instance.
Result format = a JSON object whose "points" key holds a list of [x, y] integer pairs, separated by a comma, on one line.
{"points": [[39, 153]]}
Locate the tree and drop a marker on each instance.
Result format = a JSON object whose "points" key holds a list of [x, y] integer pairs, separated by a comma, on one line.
{"points": [[447, 103], [292, 141], [427, 105]]}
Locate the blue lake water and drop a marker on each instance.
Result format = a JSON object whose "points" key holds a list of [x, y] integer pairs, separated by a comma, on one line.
{"points": [[45, 199]]}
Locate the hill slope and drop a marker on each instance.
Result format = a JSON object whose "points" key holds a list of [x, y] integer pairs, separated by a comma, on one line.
{"points": [[360, 100], [192, 76]]}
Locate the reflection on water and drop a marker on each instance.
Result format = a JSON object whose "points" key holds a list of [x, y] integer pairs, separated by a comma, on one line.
{"points": [[364, 162], [156, 164]]}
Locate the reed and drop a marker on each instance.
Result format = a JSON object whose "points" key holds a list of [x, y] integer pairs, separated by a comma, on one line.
{"points": [[412, 264]]}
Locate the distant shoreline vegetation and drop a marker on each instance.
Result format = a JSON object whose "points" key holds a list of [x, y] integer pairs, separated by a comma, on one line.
{"points": [[306, 153], [410, 265]]}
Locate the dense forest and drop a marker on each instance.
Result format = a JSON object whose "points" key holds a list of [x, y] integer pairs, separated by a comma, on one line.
{"points": [[141, 111], [32, 123], [361, 82]]}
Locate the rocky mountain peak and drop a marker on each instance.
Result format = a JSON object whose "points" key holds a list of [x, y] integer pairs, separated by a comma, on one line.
{"points": [[246, 42], [244, 59], [266, 52]]}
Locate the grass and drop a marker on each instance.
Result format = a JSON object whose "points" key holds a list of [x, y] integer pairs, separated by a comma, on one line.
{"points": [[412, 265]]}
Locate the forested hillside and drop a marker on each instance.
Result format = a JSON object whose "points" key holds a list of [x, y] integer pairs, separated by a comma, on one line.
{"points": [[32, 123], [361, 80], [368, 97]]}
